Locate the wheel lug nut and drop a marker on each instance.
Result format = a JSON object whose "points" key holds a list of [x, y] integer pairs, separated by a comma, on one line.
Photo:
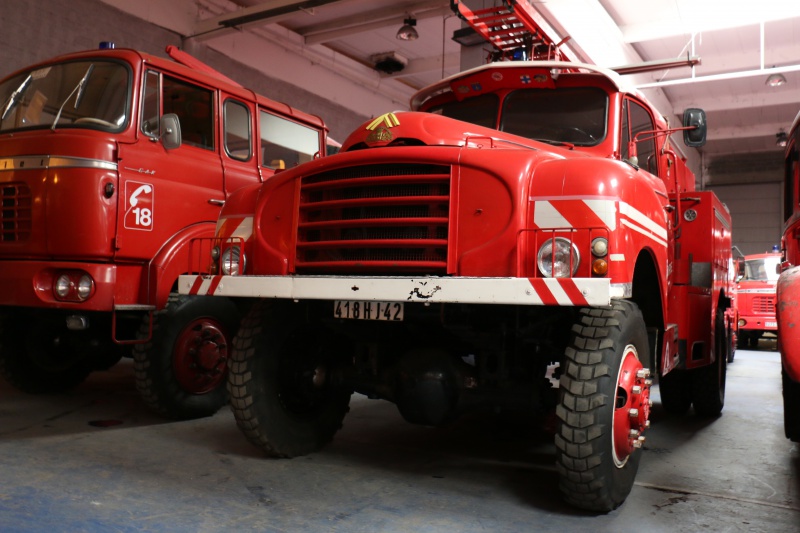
{"points": [[634, 433], [636, 389], [646, 424], [643, 373], [633, 413]]}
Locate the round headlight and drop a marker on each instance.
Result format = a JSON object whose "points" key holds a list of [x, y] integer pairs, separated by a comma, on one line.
{"points": [[62, 286], [556, 256], [232, 262], [85, 286]]}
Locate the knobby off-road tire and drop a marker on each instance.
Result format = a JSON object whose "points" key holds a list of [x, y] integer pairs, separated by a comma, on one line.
{"points": [[708, 382], [282, 394], [676, 392], [791, 407], [181, 372], [35, 362], [602, 384]]}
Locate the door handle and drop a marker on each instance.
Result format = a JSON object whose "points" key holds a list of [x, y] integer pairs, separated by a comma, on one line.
{"points": [[214, 201]]}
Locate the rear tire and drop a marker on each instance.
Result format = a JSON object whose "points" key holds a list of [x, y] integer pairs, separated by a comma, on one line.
{"points": [[181, 370], [708, 382], [676, 392], [604, 397], [283, 393], [791, 407]]}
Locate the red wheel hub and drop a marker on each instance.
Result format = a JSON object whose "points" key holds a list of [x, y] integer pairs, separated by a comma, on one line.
{"points": [[200, 357], [632, 406]]}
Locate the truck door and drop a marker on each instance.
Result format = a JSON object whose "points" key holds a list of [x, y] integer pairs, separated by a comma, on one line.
{"points": [[163, 191], [239, 156]]}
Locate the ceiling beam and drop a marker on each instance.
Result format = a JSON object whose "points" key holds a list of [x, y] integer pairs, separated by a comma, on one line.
{"points": [[711, 102], [267, 12], [371, 21]]}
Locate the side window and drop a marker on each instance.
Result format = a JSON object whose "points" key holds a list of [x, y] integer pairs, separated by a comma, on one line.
{"points": [[150, 104], [285, 144], [195, 109], [640, 121], [237, 130], [636, 119]]}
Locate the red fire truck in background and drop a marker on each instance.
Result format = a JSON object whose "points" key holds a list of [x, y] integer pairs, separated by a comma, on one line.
{"points": [[755, 297], [111, 161], [788, 290]]}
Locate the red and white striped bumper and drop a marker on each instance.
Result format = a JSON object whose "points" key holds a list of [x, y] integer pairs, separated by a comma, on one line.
{"points": [[522, 291]]}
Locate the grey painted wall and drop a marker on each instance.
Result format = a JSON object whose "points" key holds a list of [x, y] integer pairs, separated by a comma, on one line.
{"points": [[35, 30]]}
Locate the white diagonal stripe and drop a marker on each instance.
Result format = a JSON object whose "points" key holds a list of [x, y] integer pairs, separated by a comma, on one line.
{"points": [[546, 216]]}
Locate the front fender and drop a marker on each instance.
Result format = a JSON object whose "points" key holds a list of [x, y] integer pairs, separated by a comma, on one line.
{"points": [[172, 260], [788, 314]]}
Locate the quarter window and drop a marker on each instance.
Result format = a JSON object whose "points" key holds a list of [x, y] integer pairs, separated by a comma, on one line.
{"points": [[285, 144], [237, 130]]}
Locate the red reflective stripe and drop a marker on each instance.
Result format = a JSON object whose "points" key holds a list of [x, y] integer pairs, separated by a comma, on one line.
{"points": [[572, 291], [578, 214], [198, 280], [215, 281], [543, 291]]}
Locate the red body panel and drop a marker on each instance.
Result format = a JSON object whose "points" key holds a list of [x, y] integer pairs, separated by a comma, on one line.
{"points": [[756, 297], [504, 196], [788, 288]]}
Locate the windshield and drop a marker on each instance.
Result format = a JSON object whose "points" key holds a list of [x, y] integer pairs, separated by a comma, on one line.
{"points": [[86, 94], [764, 269], [576, 116]]}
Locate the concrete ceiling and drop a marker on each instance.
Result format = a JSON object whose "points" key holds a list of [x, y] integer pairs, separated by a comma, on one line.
{"points": [[739, 45]]}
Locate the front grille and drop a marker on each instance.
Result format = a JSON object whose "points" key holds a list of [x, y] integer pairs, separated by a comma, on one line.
{"points": [[764, 305], [16, 212], [375, 219]]}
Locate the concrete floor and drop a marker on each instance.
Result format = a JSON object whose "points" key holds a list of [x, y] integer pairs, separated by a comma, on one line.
{"points": [[96, 460]]}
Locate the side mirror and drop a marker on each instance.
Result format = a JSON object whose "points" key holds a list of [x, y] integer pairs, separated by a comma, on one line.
{"points": [[696, 119], [170, 133]]}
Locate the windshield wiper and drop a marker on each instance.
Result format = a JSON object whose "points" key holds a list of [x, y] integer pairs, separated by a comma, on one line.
{"points": [[556, 143], [12, 99], [79, 89]]}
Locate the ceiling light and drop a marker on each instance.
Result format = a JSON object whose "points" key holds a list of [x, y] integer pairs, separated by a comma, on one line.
{"points": [[781, 139], [776, 80], [407, 32]]}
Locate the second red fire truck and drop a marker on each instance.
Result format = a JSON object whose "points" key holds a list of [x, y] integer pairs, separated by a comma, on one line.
{"points": [[111, 162]]}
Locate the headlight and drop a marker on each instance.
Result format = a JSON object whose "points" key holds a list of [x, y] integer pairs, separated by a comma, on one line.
{"points": [[62, 286], [556, 256], [84, 287], [232, 262]]}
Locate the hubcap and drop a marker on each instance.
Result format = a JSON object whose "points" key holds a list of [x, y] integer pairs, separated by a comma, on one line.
{"points": [[631, 407], [201, 356]]}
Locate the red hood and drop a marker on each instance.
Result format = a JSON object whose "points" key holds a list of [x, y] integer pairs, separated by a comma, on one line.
{"points": [[415, 129]]}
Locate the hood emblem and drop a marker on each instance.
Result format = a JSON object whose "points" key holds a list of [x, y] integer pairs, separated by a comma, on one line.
{"points": [[390, 120], [379, 128]]}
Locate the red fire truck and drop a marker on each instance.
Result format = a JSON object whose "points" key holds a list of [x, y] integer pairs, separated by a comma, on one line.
{"points": [[527, 238], [788, 290], [755, 297], [111, 161], [529, 224]]}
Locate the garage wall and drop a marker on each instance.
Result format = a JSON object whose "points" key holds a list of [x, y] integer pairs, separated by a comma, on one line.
{"points": [[756, 213], [35, 30]]}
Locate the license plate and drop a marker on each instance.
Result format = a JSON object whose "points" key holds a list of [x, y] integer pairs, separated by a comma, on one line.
{"points": [[771, 324], [368, 310]]}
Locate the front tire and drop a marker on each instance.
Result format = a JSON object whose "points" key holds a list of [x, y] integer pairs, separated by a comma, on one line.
{"points": [[38, 359], [181, 370], [283, 391], [604, 405], [791, 407]]}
